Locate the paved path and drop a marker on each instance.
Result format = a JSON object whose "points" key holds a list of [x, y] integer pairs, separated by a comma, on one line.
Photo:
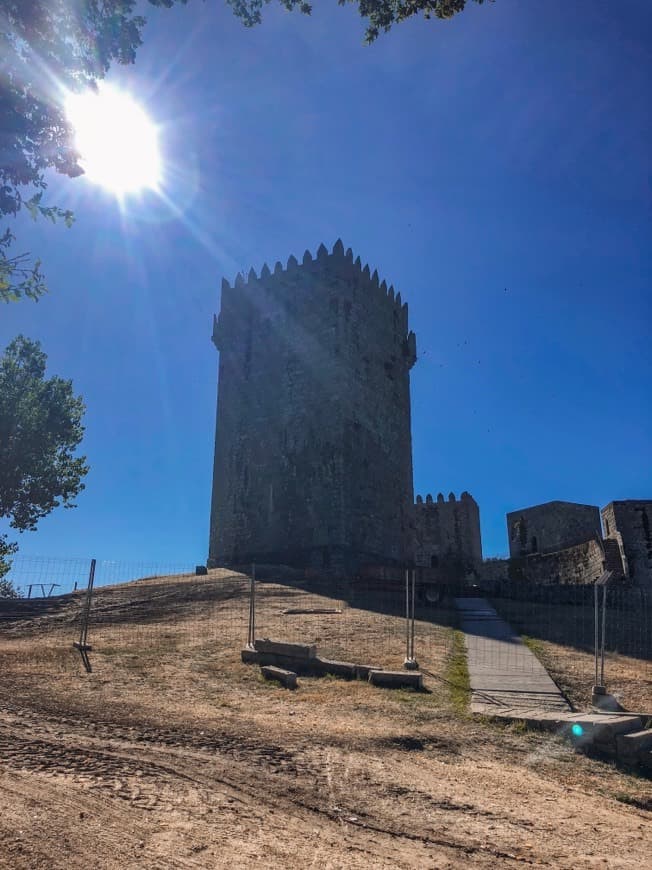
{"points": [[505, 676]]}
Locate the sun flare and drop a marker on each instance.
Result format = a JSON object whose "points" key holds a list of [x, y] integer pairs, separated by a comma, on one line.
{"points": [[117, 141]]}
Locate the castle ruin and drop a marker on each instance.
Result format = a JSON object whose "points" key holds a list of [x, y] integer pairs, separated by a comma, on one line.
{"points": [[628, 524], [313, 451], [550, 527]]}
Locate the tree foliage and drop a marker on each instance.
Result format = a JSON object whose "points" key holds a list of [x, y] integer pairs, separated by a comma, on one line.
{"points": [[381, 15], [47, 49], [51, 47], [40, 429]]}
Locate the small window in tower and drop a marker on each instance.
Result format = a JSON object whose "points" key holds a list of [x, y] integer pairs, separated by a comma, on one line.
{"points": [[535, 545], [434, 561], [606, 525]]}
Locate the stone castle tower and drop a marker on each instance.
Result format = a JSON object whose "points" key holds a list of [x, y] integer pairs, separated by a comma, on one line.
{"points": [[313, 450], [447, 533]]}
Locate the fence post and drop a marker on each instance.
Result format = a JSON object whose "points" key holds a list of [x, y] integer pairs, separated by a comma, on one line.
{"points": [[604, 627], [82, 644], [596, 623], [251, 628], [599, 695], [407, 617], [410, 663], [414, 597]]}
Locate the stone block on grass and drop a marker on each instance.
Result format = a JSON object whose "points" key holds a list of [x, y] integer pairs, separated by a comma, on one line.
{"points": [[290, 650], [397, 679], [362, 671], [250, 656], [337, 669], [280, 675]]}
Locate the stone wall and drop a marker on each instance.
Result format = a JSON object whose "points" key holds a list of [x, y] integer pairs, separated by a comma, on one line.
{"points": [[493, 571], [313, 457], [447, 532], [551, 527], [578, 565], [630, 524]]}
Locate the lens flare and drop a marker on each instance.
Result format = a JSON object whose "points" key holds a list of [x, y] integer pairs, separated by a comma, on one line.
{"points": [[117, 141], [577, 730]]}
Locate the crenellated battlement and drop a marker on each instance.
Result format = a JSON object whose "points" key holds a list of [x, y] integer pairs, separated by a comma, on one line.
{"points": [[465, 497], [338, 263]]}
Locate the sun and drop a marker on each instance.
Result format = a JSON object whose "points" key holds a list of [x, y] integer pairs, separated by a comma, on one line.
{"points": [[117, 141]]}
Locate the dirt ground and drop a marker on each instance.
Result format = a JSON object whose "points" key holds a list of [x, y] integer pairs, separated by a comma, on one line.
{"points": [[173, 754]]}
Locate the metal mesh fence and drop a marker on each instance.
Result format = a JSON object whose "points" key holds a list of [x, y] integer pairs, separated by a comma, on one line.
{"points": [[160, 611], [358, 621]]}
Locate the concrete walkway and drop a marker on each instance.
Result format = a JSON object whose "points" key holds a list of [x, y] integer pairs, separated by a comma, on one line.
{"points": [[506, 678]]}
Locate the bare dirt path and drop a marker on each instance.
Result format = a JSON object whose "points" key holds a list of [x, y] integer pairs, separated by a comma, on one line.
{"points": [[117, 795]]}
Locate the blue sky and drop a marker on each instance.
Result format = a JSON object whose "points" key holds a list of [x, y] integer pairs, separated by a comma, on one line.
{"points": [[494, 168]]}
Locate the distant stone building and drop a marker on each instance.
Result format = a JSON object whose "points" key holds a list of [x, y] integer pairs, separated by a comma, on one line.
{"points": [[549, 527], [628, 524], [447, 533], [313, 457]]}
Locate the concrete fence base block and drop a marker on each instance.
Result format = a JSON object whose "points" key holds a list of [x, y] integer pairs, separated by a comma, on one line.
{"points": [[411, 665], [280, 675], [362, 671], [250, 656], [292, 650], [300, 659], [298, 665], [338, 669], [602, 700], [397, 679]]}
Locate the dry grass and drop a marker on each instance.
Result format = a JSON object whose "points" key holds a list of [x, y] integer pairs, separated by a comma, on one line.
{"points": [[180, 756]]}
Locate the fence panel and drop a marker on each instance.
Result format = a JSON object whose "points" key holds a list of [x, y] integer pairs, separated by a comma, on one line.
{"points": [[155, 612]]}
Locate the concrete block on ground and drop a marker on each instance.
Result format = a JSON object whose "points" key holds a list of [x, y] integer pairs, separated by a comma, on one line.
{"points": [[630, 745], [280, 675], [338, 669], [396, 679], [605, 732], [362, 671], [602, 700], [300, 666], [292, 650], [588, 729], [250, 656]]}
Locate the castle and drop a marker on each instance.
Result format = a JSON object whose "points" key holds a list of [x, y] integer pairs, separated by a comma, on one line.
{"points": [[313, 452], [313, 449]]}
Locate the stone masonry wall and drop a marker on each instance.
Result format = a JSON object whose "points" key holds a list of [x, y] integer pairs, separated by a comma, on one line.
{"points": [[447, 530], [578, 565], [630, 523], [551, 527], [313, 458]]}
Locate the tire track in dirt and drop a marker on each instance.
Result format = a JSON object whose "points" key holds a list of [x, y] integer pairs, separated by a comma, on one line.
{"points": [[141, 766]]}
